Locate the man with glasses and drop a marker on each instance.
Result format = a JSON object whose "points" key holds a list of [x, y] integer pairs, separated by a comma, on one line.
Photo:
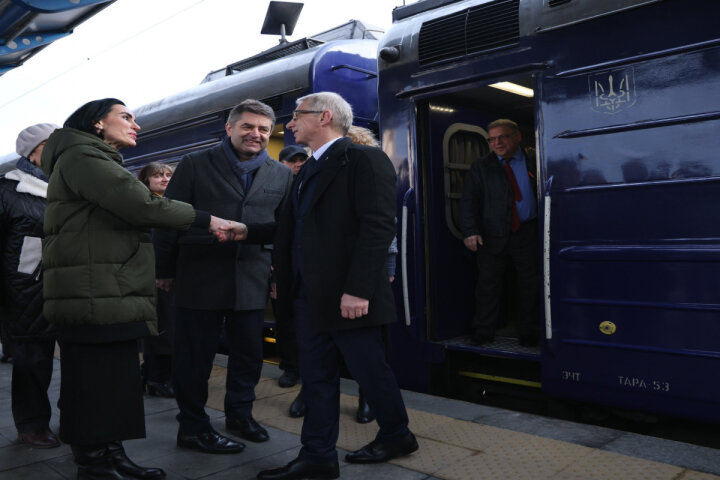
{"points": [[498, 219], [329, 259], [223, 285]]}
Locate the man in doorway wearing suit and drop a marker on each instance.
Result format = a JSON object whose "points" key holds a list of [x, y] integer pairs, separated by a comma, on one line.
{"points": [[223, 283], [329, 257], [498, 219]]}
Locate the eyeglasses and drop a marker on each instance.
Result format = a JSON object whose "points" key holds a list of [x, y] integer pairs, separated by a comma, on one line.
{"points": [[502, 137], [297, 112]]}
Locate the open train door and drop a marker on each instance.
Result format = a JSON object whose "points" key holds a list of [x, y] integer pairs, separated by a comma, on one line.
{"points": [[631, 184]]}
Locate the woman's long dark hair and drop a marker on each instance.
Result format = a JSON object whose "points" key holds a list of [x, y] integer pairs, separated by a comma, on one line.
{"points": [[85, 117]]}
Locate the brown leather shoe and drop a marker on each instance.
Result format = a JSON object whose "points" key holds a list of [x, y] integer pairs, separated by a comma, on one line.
{"points": [[41, 439]]}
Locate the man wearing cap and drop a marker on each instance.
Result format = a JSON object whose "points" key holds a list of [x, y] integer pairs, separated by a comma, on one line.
{"points": [[293, 157], [23, 194]]}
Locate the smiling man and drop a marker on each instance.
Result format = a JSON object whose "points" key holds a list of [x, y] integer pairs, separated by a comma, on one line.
{"points": [[220, 284]]}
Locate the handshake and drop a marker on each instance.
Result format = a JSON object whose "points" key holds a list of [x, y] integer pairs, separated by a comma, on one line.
{"points": [[227, 230]]}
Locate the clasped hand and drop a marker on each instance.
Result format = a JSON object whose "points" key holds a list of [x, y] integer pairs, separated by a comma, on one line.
{"points": [[227, 230]]}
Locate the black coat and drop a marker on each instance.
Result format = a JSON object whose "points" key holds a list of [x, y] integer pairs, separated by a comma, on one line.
{"points": [[487, 199], [221, 276], [22, 209], [346, 232]]}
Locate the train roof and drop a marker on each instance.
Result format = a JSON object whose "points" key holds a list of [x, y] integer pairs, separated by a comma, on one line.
{"points": [[263, 79], [28, 26]]}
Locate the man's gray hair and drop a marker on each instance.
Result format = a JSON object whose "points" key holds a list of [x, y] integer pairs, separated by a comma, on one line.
{"points": [[253, 106], [504, 122], [342, 115]]}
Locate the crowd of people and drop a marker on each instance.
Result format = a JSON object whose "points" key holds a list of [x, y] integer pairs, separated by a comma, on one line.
{"points": [[97, 260]]}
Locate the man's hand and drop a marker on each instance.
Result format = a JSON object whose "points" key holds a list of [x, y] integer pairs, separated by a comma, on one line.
{"points": [[353, 307], [227, 230], [472, 242], [166, 284]]}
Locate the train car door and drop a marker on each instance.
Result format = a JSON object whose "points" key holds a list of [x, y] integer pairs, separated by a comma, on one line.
{"points": [[452, 136]]}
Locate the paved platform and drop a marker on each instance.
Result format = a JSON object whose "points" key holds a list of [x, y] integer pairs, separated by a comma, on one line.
{"points": [[458, 441]]}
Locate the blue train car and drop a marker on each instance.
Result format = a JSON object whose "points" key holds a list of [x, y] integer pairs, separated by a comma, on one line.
{"points": [[621, 101], [342, 60]]}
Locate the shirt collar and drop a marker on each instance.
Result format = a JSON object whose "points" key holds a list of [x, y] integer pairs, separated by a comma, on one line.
{"points": [[320, 151]]}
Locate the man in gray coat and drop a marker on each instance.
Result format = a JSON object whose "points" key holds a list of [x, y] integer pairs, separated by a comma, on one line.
{"points": [[226, 283]]}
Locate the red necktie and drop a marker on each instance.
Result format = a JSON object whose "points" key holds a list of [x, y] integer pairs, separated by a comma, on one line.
{"points": [[517, 196]]}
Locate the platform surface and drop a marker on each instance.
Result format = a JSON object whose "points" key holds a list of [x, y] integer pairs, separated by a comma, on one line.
{"points": [[458, 441]]}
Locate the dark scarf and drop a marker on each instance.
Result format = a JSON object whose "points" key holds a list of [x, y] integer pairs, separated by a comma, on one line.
{"points": [[245, 170], [25, 165]]}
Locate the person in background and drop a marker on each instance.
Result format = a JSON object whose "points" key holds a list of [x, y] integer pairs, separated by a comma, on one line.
{"points": [[22, 209], [330, 249], [157, 350], [498, 220], [99, 290], [224, 284], [293, 157]]}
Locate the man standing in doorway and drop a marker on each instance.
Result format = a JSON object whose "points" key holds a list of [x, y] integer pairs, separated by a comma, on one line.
{"points": [[223, 283], [329, 258], [498, 219]]}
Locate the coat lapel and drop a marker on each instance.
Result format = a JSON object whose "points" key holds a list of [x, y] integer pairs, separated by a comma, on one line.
{"points": [[222, 165], [334, 160]]}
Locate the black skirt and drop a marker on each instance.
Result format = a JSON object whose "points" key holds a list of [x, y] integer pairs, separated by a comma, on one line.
{"points": [[101, 397]]}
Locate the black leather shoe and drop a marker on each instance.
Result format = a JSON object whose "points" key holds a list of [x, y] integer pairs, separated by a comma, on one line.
{"points": [[247, 428], [298, 406], [298, 469], [377, 452], [528, 340], [160, 389], [482, 339], [209, 442], [96, 463], [126, 466], [364, 413], [289, 378]]}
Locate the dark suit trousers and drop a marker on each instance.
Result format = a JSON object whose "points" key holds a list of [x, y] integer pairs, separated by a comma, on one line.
{"points": [[286, 342], [31, 373], [157, 350], [520, 251], [197, 335], [364, 355]]}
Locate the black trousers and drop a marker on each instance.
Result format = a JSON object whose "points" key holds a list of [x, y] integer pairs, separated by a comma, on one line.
{"points": [[197, 335], [101, 398], [157, 350], [31, 375], [521, 253], [364, 353]]}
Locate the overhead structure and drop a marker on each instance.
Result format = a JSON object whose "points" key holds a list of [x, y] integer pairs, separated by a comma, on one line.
{"points": [[281, 18], [28, 26]]}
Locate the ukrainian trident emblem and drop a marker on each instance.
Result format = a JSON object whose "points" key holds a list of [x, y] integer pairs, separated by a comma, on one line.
{"points": [[612, 91]]}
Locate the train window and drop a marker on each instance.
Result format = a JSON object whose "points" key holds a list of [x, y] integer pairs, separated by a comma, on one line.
{"points": [[462, 144]]}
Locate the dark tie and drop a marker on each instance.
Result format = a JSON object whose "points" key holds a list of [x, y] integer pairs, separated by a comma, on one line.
{"points": [[517, 196], [308, 171]]}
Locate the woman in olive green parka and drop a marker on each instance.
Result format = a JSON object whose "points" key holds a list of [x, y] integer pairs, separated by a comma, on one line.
{"points": [[99, 282]]}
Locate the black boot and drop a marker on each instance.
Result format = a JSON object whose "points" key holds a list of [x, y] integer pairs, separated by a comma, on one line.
{"points": [[95, 463], [364, 413], [126, 466]]}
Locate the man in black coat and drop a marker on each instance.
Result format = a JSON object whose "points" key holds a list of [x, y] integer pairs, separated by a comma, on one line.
{"points": [[223, 284], [23, 195], [329, 258], [498, 219]]}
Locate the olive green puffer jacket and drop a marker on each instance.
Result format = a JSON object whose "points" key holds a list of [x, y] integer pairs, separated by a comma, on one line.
{"points": [[99, 264]]}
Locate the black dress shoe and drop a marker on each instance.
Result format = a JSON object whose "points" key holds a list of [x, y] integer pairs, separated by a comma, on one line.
{"points": [[247, 428], [298, 469], [298, 406], [364, 413], [528, 340], [96, 463], [160, 389], [377, 451], [482, 339], [289, 378], [209, 442], [126, 466]]}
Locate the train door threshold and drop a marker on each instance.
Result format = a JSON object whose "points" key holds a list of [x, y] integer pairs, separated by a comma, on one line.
{"points": [[507, 347]]}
